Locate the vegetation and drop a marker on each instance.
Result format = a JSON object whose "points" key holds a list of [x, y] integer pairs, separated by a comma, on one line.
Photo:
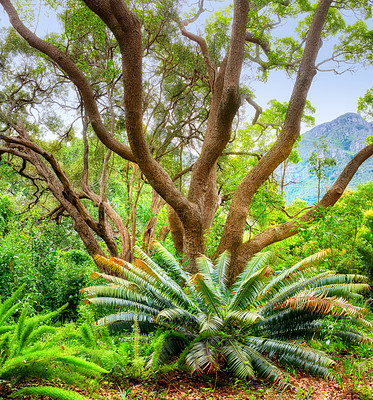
{"points": [[246, 325], [25, 351], [123, 125]]}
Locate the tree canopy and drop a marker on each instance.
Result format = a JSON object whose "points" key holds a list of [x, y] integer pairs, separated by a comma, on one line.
{"points": [[136, 94]]}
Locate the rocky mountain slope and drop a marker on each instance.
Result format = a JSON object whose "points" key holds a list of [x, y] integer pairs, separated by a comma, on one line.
{"points": [[343, 138]]}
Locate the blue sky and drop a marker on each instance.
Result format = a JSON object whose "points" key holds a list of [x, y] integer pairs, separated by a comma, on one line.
{"points": [[332, 95]]}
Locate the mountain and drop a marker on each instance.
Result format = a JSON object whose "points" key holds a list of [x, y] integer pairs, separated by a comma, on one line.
{"points": [[343, 137]]}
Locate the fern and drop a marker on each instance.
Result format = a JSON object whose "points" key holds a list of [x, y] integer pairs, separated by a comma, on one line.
{"points": [[29, 349], [53, 392]]}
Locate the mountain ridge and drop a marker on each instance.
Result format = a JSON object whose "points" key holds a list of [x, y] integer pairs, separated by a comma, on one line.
{"points": [[344, 137]]}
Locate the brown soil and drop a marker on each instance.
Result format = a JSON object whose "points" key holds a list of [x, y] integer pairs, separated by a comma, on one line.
{"points": [[181, 386]]}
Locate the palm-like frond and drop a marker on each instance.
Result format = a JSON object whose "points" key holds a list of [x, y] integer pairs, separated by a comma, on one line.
{"points": [[110, 279], [111, 266], [219, 274], [207, 294], [130, 292], [258, 262], [291, 274], [346, 290], [238, 358], [171, 262], [290, 290], [293, 354], [241, 317], [121, 303], [320, 304], [177, 315], [202, 356], [210, 323], [206, 268], [248, 290], [126, 320], [265, 368], [166, 284]]}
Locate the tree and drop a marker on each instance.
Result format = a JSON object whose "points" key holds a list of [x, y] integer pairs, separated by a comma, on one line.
{"points": [[319, 163], [152, 48]]}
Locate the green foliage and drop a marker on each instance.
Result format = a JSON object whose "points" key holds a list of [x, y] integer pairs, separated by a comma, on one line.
{"points": [[319, 163], [247, 325], [32, 252], [53, 392], [27, 348]]}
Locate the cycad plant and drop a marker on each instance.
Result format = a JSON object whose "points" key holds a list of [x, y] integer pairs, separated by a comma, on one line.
{"points": [[259, 322]]}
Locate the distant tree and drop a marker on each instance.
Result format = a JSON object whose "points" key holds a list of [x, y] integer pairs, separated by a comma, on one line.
{"points": [[319, 163]]}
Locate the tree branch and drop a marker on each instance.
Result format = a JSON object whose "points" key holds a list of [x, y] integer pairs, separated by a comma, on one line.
{"points": [[278, 233], [76, 76]]}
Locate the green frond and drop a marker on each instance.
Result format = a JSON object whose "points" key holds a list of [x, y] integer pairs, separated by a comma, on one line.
{"points": [[121, 303], [158, 283], [291, 274], [207, 294], [202, 356], [6, 328], [84, 367], [289, 324], [346, 290], [352, 336], [210, 323], [292, 289], [7, 308], [342, 278], [296, 355], [258, 262], [242, 317], [87, 336], [49, 363], [37, 333], [238, 359], [265, 368], [172, 264], [161, 273], [125, 321], [16, 343], [249, 289], [206, 268], [130, 292], [219, 275], [50, 391], [177, 314]]}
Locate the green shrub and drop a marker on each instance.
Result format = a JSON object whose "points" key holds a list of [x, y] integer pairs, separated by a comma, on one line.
{"points": [[28, 348]]}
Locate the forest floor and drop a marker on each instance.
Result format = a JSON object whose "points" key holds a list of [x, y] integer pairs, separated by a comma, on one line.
{"points": [[181, 386]]}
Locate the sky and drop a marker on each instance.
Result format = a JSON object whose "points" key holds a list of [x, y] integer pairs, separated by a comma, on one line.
{"points": [[332, 95]]}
